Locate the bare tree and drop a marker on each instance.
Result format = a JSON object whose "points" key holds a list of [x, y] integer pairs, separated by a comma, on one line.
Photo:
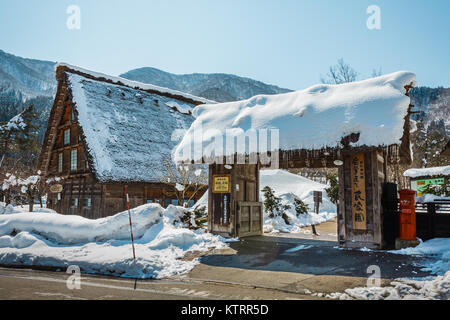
{"points": [[30, 187], [185, 181], [340, 73], [377, 73]]}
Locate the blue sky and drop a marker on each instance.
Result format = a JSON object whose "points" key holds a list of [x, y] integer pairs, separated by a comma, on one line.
{"points": [[290, 43]]}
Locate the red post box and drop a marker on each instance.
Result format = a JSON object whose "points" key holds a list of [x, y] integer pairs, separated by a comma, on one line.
{"points": [[407, 215]]}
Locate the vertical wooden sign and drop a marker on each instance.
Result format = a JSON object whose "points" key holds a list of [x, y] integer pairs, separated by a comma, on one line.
{"points": [[358, 177]]}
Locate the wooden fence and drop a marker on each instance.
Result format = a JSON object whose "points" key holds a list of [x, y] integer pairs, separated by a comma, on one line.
{"points": [[432, 218]]}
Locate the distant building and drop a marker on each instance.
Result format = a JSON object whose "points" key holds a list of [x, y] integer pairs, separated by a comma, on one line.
{"points": [[421, 178], [105, 132]]}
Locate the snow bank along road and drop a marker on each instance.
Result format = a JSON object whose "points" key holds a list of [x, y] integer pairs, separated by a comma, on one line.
{"points": [[103, 246]]}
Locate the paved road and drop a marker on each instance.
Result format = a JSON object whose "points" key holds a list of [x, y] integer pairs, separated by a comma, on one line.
{"points": [[42, 285]]}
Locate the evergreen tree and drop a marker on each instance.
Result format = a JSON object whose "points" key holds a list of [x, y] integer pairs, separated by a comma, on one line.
{"points": [[300, 206], [333, 190], [18, 138], [273, 205]]}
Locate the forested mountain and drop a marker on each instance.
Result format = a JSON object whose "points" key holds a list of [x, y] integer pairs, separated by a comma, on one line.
{"points": [[216, 86]]}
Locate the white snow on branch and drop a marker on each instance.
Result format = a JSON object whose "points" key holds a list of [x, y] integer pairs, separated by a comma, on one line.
{"points": [[16, 123]]}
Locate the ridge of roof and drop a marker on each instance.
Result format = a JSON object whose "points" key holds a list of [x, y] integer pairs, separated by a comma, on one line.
{"points": [[133, 84]]}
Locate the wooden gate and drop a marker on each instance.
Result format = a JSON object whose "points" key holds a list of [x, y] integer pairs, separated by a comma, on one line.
{"points": [[233, 203], [249, 220]]}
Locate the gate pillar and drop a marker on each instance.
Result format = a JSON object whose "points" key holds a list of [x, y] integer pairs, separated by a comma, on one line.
{"points": [[360, 218]]}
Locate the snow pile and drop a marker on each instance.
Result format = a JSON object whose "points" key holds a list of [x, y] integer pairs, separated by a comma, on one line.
{"points": [[436, 259], [13, 209], [430, 198], [403, 289], [427, 172], [103, 246], [288, 186], [436, 253], [317, 117]]}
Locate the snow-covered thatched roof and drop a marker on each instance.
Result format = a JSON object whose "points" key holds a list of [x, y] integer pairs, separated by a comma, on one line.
{"points": [[312, 119], [428, 172], [134, 84], [129, 128]]}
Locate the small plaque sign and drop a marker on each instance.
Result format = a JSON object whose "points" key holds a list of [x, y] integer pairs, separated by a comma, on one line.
{"points": [[56, 188], [221, 183]]}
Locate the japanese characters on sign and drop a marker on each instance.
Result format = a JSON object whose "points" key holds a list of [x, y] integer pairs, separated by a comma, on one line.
{"points": [[358, 181], [221, 183]]}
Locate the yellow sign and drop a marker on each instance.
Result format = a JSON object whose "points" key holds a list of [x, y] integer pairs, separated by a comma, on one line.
{"points": [[358, 181], [221, 183]]}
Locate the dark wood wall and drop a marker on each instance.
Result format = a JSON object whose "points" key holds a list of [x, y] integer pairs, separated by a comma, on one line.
{"points": [[97, 200]]}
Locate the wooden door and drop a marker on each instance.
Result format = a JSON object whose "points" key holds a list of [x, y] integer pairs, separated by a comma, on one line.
{"points": [[249, 219], [233, 204]]}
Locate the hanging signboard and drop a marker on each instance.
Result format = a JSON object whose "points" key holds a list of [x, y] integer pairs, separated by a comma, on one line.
{"points": [[221, 183], [358, 181], [56, 188]]}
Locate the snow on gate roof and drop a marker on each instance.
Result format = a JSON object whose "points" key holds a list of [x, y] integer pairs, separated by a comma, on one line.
{"points": [[128, 131], [312, 119]]}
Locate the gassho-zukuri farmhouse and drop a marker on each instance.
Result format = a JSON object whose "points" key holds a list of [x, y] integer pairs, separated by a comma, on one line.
{"points": [[105, 132]]}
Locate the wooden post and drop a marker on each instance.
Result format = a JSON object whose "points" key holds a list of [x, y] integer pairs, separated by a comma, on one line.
{"points": [[360, 212], [129, 218]]}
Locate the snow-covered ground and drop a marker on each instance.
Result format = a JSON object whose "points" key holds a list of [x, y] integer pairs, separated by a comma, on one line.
{"points": [[288, 186], [436, 259], [437, 288], [103, 246], [11, 209], [436, 253]]}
